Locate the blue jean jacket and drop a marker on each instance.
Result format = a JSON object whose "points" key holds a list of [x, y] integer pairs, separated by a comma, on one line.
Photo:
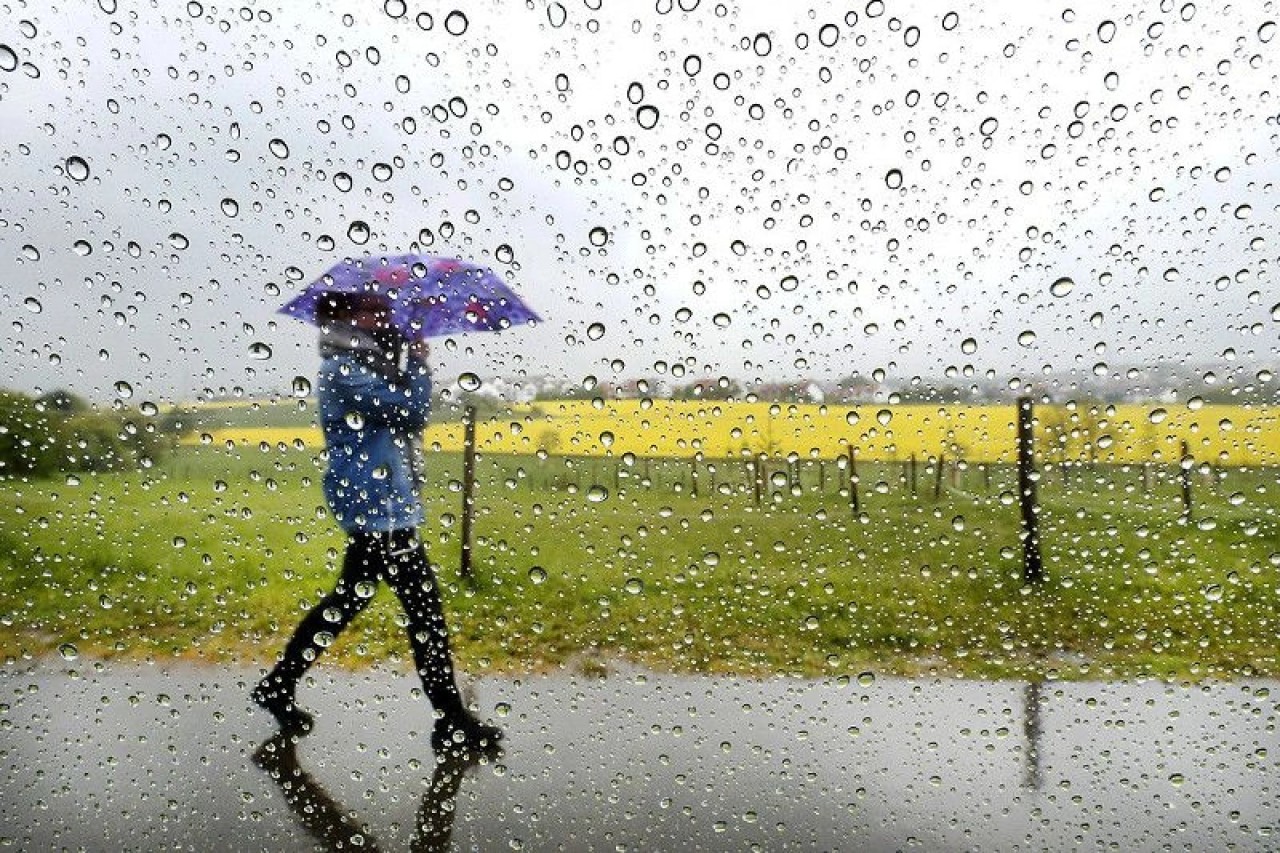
{"points": [[373, 433]]}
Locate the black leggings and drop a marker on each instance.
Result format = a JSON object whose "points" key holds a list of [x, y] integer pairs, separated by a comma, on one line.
{"points": [[399, 559]]}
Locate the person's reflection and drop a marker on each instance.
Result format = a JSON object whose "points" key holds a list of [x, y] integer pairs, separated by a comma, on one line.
{"points": [[337, 829]]}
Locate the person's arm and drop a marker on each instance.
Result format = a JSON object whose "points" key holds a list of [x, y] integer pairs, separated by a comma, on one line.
{"points": [[402, 404]]}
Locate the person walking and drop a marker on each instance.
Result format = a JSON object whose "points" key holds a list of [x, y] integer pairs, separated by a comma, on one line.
{"points": [[374, 397]]}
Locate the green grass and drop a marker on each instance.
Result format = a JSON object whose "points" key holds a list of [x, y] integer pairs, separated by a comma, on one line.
{"points": [[216, 554]]}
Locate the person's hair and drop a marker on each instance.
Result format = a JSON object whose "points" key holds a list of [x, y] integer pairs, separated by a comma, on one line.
{"points": [[336, 306]]}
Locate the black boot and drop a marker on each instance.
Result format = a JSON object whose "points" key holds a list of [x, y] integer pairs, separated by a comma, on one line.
{"points": [[292, 719]]}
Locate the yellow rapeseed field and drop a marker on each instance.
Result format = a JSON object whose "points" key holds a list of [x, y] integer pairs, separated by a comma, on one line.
{"points": [[1225, 435]]}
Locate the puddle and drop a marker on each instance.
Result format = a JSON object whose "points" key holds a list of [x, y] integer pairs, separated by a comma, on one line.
{"points": [[130, 756]]}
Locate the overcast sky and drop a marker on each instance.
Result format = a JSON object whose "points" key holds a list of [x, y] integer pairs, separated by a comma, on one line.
{"points": [[784, 190]]}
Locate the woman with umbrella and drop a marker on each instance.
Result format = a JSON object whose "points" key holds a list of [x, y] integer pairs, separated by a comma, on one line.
{"points": [[374, 396]]}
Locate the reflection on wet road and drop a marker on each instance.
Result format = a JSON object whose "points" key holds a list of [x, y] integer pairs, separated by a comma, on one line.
{"points": [[114, 755]]}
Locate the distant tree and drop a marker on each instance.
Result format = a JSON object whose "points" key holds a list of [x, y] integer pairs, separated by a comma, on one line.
{"points": [[30, 437], [62, 400]]}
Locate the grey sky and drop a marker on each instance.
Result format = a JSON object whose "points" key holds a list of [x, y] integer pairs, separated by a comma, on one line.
{"points": [[757, 229]]}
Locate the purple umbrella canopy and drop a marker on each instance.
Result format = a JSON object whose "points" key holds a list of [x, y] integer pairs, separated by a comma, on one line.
{"points": [[429, 295]]}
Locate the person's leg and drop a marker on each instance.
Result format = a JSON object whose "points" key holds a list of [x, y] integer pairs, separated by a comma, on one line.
{"points": [[410, 575], [360, 568]]}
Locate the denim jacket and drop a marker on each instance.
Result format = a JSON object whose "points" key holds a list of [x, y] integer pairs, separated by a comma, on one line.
{"points": [[373, 435]]}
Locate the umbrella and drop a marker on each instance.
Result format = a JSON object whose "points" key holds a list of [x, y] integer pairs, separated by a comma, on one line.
{"points": [[429, 295]]}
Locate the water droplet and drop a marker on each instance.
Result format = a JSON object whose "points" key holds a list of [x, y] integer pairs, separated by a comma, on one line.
{"points": [[382, 172], [1157, 416], [456, 23], [68, 651], [557, 15], [635, 586], [366, 589], [1062, 287], [31, 252], [828, 35], [950, 21], [597, 494], [502, 709], [33, 305], [77, 168], [354, 420], [1027, 338], [83, 248], [258, 351], [1244, 211], [179, 241], [721, 320], [851, 417], [893, 179], [968, 346], [469, 381], [762, 44], [105, 602], [194, 9], [504, 254], [301, 386], [342, 181], [647, 117], [358, 232], [1213, 592], [123, 390], [866, 679], [692, 64], [988, 126], [606, 439], [595, 331], [1106, 31], [598, 236], [1176, 779], [789, 283], [1267, 32], [230, 207], [279, 147]]}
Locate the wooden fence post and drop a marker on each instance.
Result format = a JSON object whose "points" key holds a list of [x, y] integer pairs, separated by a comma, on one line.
{"points": [[937, 477], [912, 475], [853, 482], [1187, 463], [1032, 567], [468, 487]]}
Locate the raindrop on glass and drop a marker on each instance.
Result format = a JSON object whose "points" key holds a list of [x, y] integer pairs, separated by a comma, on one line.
{"points": [[469, 381], [598, 236], [537, 574], [595, 331], [258, 351], [455, 23], [358, 232], [647, 117], [1062, 287], [893, 179], [77, 168], [279, 148]]}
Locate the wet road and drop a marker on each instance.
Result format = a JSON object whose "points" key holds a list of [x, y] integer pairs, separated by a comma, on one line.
{"points": [[129, 756]]}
